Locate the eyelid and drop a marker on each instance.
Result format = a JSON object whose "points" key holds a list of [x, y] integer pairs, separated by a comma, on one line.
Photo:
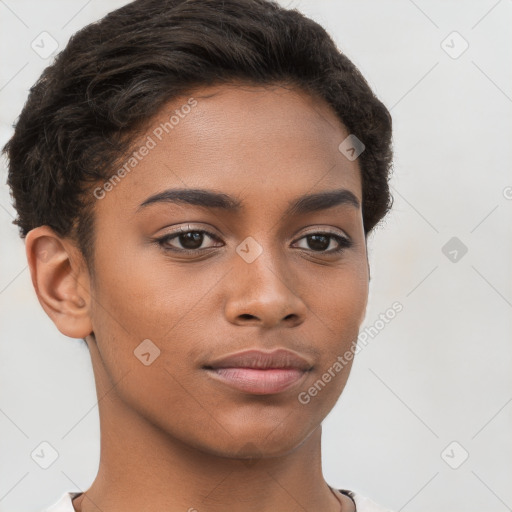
{"points": [[325, 231], [186, 229]]}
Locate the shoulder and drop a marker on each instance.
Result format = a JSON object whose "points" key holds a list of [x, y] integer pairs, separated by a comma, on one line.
{"points": [[364, 504], [64, 504]]}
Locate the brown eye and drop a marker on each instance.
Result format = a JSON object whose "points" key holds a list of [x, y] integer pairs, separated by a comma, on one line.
{"points": [[318, 242], [187, 241], [191, 240], [326, 243]]}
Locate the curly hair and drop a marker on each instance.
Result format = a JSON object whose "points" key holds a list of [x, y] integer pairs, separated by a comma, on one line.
{"points": [[115, 74]]}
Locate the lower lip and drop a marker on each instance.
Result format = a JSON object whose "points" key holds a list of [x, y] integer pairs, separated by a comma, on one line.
{"points": [[258, 382]]}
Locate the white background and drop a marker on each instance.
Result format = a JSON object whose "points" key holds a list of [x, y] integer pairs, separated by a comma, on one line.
{"points": [[438, 372]]}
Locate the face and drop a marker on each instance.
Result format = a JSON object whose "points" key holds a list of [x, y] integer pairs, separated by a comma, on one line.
{"points": [[246, 262]]}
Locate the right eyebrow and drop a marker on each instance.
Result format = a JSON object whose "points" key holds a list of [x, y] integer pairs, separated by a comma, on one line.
{"points": [[196, 197]]}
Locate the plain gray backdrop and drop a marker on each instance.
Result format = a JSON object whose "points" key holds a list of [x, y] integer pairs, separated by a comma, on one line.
{"points": [[424, 422]]}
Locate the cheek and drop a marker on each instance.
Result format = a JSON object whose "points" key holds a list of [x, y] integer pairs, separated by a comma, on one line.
{"points": [[338, 299], [140, 309], [352, 301], [169, 305], [340, 311], [148, 298]]}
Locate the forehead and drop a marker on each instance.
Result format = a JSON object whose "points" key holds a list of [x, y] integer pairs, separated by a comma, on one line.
{"points": [[250, 141]]}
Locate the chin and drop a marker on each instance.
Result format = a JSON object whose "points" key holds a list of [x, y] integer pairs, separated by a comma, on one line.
{"points": [[251, 450], [254, 442]]}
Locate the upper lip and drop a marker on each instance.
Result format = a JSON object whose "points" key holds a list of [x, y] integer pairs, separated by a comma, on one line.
{"points": [[259, 359]]}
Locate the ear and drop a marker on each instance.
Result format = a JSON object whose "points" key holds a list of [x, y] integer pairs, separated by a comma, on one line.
{"points": [[61, 280]]}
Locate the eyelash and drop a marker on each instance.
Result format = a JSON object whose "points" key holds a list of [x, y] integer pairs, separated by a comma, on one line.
{"points": [[343, 242]]}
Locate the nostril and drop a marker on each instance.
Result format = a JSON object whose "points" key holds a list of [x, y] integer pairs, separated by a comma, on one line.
{"points": [[246, 316]]}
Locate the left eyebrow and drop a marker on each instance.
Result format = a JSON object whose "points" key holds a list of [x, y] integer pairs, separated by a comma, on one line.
{"points": [[322, 201], [211, 199]]}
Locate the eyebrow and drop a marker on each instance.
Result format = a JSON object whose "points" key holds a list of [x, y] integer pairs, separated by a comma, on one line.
{"points": [[210, 199]]}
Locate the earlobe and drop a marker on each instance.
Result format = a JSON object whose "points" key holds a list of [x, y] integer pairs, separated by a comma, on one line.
{"points": [[60, 280]]}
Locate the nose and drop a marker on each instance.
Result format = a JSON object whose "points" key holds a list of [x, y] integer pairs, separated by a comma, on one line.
{"points": [[261, 293]]}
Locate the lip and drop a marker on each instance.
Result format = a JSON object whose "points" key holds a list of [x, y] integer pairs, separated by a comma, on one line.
{"points": [[259, 372]]}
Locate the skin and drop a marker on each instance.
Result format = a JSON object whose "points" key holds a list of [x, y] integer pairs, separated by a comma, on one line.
{"points": [[172, 438]]}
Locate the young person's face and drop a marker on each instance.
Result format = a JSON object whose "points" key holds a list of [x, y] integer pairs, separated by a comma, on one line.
{"points": [[263, 148]]}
